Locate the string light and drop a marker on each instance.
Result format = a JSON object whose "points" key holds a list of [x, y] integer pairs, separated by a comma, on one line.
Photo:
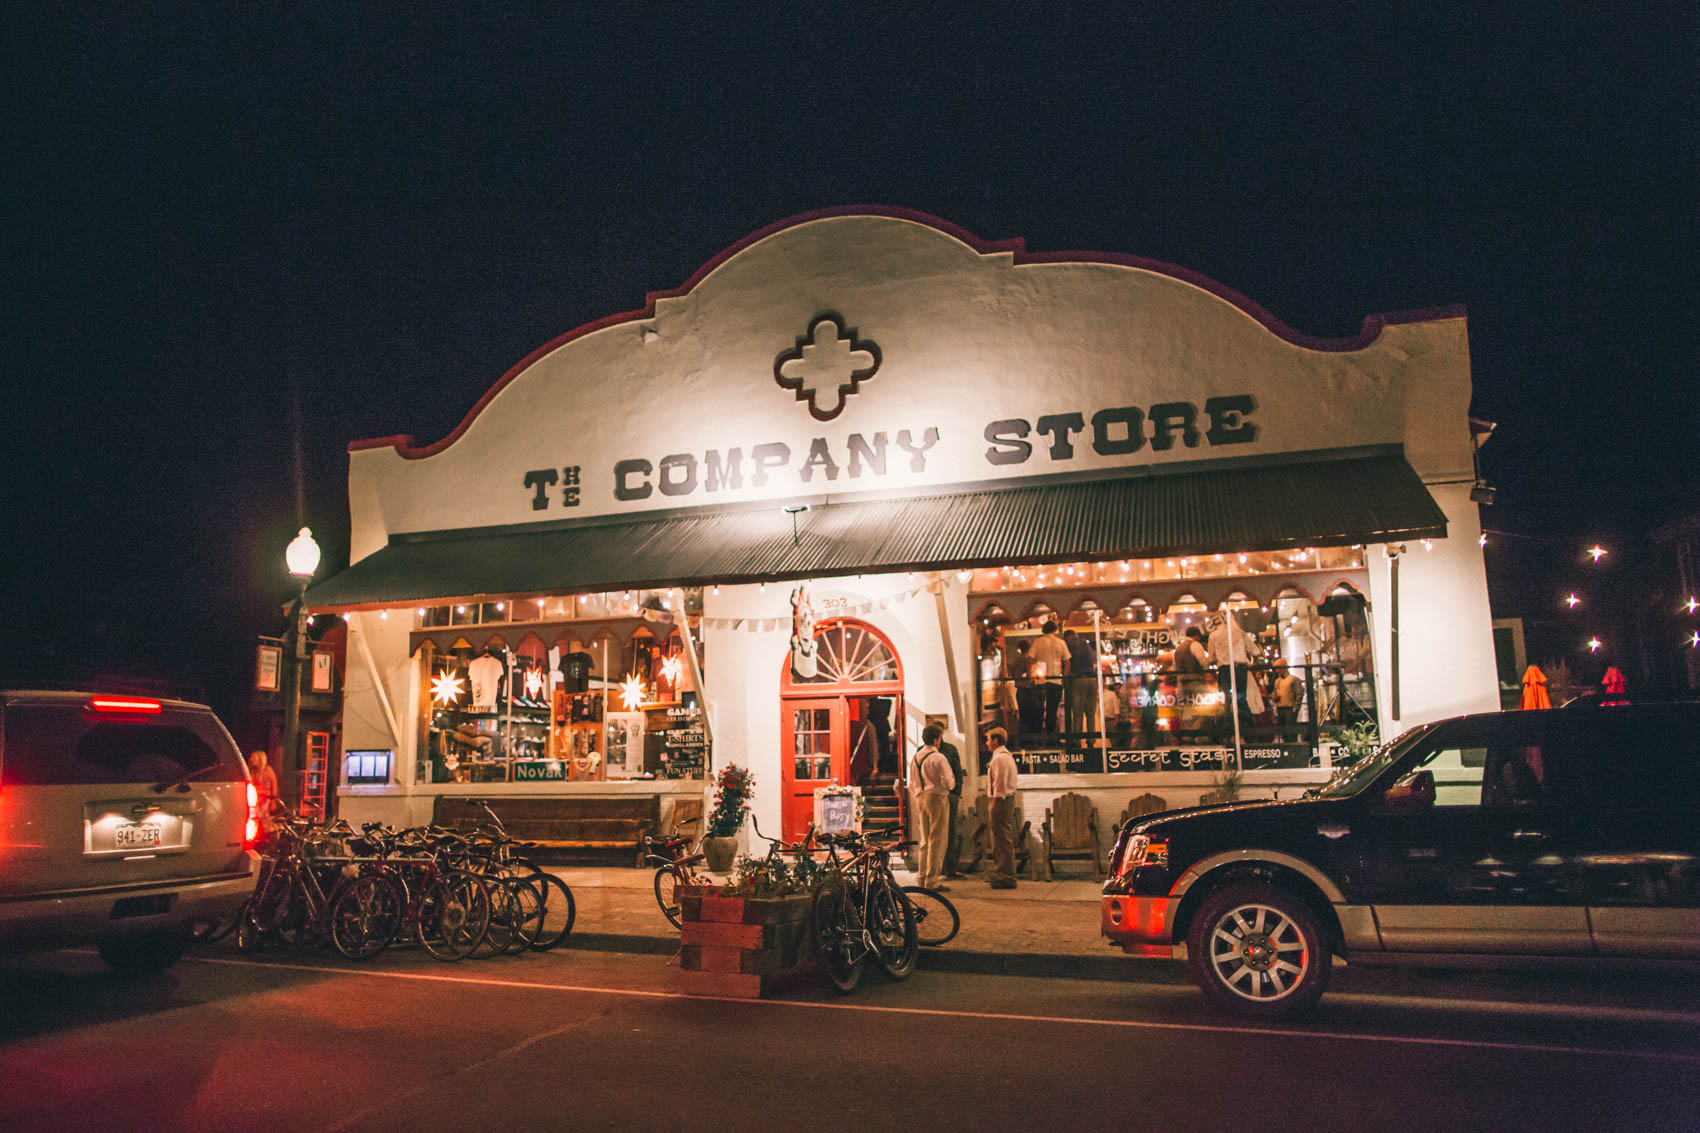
{"points": [[1572, 601], [1691, 605], [383, 615], [1694, 640], [1428, 544], [1596, 552], [1594, 644], [1481, 540]]}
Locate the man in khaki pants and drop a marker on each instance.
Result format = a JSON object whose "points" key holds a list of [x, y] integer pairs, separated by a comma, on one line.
{"points": [[1000, 790], [932, 780]]}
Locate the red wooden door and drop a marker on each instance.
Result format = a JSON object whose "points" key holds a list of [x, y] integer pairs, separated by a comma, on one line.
{"points": [[816, 754]]}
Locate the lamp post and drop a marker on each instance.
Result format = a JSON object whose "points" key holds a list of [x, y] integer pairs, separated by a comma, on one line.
{"points": [[302, 556]]}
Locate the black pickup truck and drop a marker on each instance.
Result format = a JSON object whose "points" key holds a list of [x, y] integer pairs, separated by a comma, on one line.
{"points": [[1565, 832]]}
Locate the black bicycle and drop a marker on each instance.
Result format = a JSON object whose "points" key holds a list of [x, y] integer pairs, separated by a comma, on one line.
{"points": [[936, 919]]}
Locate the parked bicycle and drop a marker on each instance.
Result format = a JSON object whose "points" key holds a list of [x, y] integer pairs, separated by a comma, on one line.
{"points": [[859, 911], [674, 858], [936, 919]]}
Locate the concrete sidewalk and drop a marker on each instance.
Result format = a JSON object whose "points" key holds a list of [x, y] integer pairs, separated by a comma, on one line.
{"points": [[1036, 929]]}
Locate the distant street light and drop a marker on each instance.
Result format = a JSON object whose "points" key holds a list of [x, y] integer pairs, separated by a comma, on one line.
{"points": [[302, 556]]}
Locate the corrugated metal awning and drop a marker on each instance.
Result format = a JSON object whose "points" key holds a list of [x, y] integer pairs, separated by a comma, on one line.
{"points": [[1317, 502]]}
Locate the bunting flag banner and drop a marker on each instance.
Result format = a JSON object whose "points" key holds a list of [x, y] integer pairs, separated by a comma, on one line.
{"points": [[769, 625]]}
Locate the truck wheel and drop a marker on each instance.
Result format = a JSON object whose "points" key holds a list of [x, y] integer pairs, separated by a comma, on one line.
{"points": [[144, 952], [1258, 951]]}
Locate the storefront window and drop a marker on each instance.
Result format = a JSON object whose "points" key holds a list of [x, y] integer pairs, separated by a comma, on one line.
{"points": [[1163, 704]]}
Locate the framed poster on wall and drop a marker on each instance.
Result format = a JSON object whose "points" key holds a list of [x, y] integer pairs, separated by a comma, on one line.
{"points": [[268, 668], [321, 672], [622, 738]]}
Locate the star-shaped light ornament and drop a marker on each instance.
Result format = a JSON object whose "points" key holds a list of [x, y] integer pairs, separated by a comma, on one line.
{"points": [[446, 687], [670, 669], [1596, 552], [1594, 644], [631, 693], [1573, 601]]}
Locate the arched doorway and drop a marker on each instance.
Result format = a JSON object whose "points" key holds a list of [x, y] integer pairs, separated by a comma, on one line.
{"points": [[823, 715]]}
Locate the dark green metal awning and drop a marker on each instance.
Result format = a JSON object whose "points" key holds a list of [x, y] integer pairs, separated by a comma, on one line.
{"points": [[1322, 500]]}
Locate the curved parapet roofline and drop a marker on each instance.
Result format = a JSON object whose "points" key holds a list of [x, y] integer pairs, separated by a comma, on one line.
{"points": [[1017, 247]]}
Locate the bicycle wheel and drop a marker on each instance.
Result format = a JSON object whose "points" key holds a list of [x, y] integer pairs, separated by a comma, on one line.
{"points": [[891, 921], [666, 885], [838, 941], [936, 919], [558, 913], [528, 911], [453, 915], [365, 916]]}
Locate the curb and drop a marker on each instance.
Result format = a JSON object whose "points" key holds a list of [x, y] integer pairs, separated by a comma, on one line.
{"points": [[1042, 965]]}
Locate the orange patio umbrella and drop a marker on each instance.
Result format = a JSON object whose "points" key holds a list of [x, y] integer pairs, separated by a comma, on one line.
{"points": [[1613, 682], [1535, 689]]}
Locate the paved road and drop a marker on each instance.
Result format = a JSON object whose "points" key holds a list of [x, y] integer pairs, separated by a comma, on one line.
{"points": [[597, 1040]]}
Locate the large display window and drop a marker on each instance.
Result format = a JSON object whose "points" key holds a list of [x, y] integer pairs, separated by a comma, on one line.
{"points": [[1254, 660], [567, 688]]}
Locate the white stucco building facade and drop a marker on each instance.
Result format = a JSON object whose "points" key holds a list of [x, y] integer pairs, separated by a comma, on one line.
{"points": [[945, 441]]}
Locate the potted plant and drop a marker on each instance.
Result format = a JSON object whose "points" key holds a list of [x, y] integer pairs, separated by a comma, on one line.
{"points": [[732, 791]]}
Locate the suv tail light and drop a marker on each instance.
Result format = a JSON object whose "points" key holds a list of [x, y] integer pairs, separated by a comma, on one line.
{"points": [[251, 832]]}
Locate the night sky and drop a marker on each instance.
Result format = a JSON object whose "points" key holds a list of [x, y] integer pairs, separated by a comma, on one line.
{"points": [[239, 239]]}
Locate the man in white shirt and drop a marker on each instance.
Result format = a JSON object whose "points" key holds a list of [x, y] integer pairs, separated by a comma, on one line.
{"points": [[1000, 790], [1050, 665], [932, 779], [1231, 648]]}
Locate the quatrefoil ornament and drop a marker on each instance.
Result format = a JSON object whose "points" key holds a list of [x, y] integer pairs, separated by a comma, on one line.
{"points": [[826, 365]]}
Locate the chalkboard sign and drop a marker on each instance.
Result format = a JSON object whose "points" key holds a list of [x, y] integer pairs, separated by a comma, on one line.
{"points": [[835, 812]]}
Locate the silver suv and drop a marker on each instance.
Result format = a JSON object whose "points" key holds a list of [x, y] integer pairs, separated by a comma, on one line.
{"points": [[124, 821]]}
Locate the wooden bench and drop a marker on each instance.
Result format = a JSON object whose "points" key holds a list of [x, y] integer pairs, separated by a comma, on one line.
{"points": [[573, 822]]}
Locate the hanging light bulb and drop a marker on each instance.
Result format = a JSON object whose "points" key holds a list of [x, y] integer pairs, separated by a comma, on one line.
{"points": [[383, 615], [1481, 540], [1691, 605], [1572, 601], [1596, 552], [1594, 644], [1428, 544]]}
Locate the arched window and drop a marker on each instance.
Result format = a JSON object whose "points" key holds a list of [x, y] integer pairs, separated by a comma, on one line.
{"points": [[848, 652]]}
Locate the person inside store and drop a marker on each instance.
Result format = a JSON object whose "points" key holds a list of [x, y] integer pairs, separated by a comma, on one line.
{"points": [[885, 752], [931, 782], [1000, 793], [952, 849], [1029, 699], [1082, 692], [1191, 660], [1050, 665], [1230, 650], [1288, 694], [1116, 725]]}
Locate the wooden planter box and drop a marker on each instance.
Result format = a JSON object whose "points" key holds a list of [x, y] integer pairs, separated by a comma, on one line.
{"points": [[740, 945]]}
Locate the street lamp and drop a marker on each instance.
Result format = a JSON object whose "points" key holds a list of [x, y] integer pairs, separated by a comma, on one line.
{"points": [[302, 556]]}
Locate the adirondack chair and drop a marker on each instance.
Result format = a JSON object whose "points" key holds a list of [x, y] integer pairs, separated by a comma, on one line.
{"points": [[1071, 831], [684, 810], [1140, 806], [978, 826]]}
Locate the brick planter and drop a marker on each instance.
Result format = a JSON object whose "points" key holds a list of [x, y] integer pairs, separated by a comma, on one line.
{"points": [[740, 945]]}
